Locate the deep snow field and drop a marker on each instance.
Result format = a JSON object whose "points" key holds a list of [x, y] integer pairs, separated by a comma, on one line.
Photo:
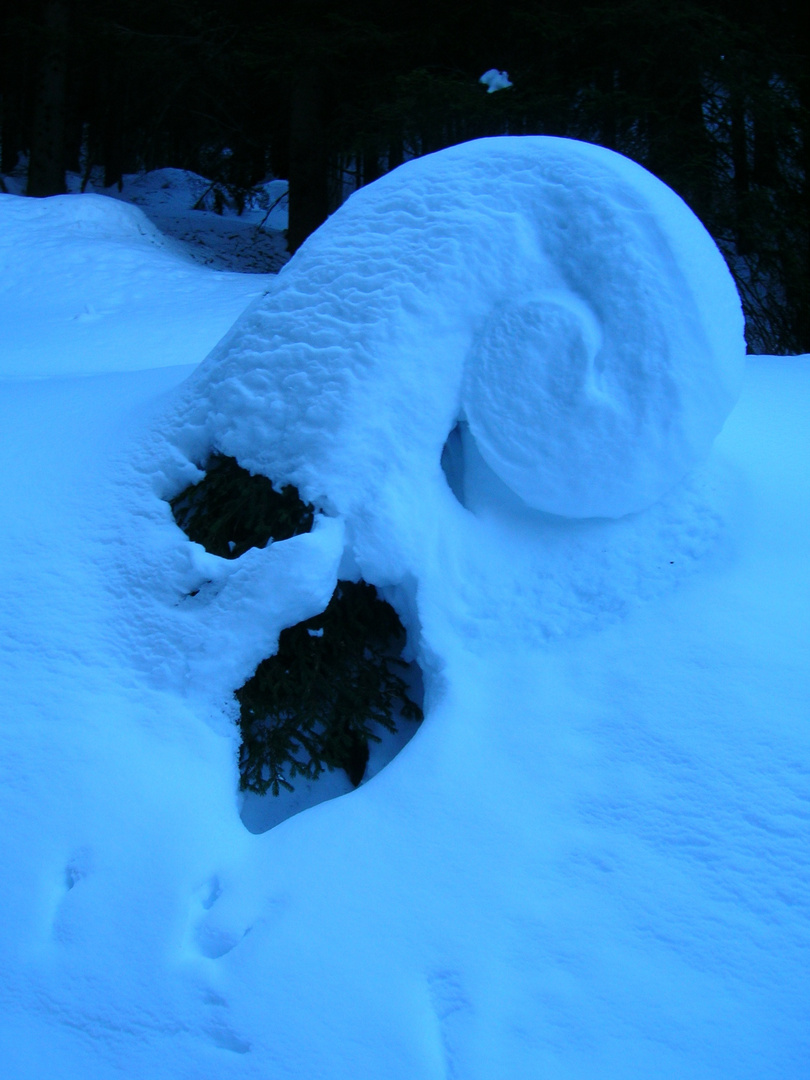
{"points": [[592, 860]]}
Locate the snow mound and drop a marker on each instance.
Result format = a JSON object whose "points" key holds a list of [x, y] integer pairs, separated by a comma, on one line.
{"points": [[420, 372], [163, 192], [165, 189], [88, 283], [91, 217], [208, 222], [554, 294]]}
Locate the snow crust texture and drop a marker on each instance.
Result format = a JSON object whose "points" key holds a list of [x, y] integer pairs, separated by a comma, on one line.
{"points": [[553, 293]]}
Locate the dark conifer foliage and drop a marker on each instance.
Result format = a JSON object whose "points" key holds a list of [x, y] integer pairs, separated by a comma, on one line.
{"points": [[229, 510], [710, 95], [313, 705]]}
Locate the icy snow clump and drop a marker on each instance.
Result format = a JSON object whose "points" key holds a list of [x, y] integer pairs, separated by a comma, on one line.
{"points": [[554, 294], [495, 80]]}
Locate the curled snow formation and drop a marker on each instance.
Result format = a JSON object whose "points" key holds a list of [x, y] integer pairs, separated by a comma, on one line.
{"points": [[550, 303], [554, 294], [476, 370]]}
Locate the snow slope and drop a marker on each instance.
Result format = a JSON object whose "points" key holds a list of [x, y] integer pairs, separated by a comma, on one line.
{"points": [[591, 861], [88, 284]]}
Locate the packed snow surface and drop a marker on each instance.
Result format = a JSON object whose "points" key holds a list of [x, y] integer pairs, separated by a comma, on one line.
{"points": [[591, 860]]}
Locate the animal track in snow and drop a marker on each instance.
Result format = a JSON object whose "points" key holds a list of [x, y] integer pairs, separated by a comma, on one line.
{"points": [[63, 909], [222, 1036], [452, 1008], [210, 938], [214, 942], [218, 1030]]}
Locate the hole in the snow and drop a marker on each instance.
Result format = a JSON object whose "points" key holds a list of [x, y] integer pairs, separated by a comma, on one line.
{"points": [[230, 510], [453, 462], [477, 487], [337, 685]]}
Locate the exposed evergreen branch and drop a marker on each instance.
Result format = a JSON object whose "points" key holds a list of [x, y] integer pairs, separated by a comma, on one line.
{"points": [[313, 705]]}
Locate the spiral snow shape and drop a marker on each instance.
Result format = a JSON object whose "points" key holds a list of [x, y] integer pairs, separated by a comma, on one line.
{"points": [[555, 295], [594, 397]]}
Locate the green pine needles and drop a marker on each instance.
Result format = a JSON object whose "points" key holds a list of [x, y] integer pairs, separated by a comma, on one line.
{"points": [[312, 706], [229, 510]]}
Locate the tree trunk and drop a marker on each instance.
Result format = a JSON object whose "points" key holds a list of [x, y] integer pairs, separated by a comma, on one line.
{"points": [[12, 129], [799, 289], [739, 160], [308, 174], [12, 93], [46, 168]]}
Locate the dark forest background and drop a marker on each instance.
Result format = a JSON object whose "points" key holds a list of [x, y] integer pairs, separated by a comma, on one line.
{"points": [[714, 98]]}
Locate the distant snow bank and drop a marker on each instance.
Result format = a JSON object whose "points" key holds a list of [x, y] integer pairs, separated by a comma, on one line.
{"points": [[90, 284], [202, 216], [178, 191]]}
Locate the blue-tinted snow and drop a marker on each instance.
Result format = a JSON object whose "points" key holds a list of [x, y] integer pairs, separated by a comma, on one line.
{"points": [[555, 294], [592, 859]]}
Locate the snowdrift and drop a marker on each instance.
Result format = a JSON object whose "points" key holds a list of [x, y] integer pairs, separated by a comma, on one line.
{"points": [[88, 284], [553, 294], [591, 859]]}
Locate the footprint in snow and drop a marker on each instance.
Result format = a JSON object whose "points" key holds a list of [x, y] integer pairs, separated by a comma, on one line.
{"points": [[210, 939]]}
